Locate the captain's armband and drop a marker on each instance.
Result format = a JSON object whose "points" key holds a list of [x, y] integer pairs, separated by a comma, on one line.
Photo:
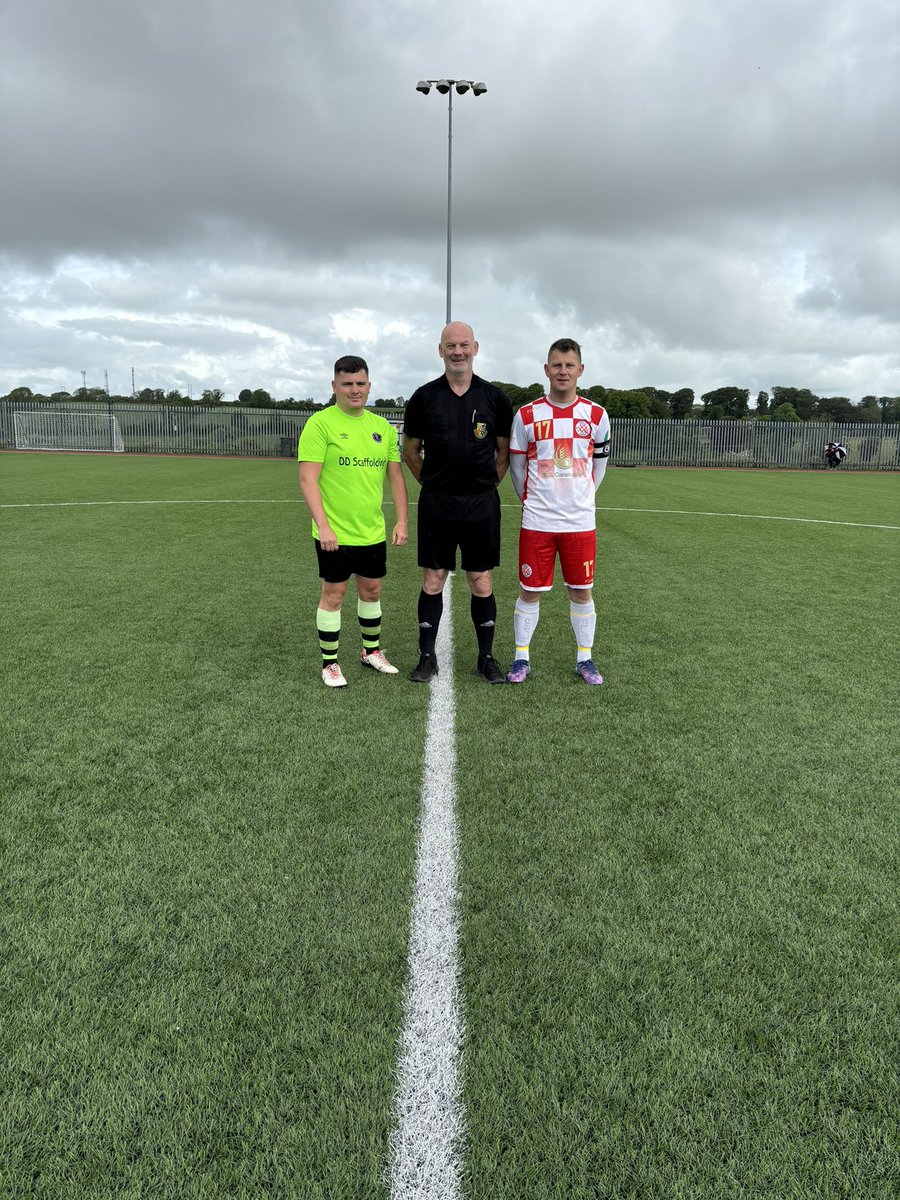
{"points": [[601, 449]]}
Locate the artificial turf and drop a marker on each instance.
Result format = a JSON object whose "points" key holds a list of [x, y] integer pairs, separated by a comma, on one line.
{"points": [[679, 913]]}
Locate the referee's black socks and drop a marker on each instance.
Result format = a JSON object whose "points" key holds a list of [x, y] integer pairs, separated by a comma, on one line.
{"points": [[484, 618], [430, 609]]}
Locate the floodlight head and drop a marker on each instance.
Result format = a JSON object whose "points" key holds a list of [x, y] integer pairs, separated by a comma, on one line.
{"points": [[443, 86], [462, 86], [478, 89], [423, 86]]}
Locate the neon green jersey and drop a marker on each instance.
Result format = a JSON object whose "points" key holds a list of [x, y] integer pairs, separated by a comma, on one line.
{"points": [[354, 450]]}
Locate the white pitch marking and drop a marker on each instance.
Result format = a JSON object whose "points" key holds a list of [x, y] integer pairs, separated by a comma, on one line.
{"points": [[425, 1145], [693, 512], [110, 503], [668, 512]]}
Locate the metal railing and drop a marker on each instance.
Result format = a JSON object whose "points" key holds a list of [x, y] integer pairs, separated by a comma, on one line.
{"points": [[176, 429], [786, 444], [274, 433]]}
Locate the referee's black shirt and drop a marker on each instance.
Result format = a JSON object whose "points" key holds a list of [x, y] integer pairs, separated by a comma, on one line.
{"points": [[458, 434]]}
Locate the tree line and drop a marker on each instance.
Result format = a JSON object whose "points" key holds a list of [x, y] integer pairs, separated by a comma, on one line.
{"points": [[720, 404], [726, 404]]}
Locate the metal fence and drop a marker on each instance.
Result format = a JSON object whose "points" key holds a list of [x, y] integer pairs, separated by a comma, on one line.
{"points": [[176, 429], [273, 433], [792, 444]]}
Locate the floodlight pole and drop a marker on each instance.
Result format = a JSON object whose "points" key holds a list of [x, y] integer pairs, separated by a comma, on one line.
{"points": [[449, 192], [447, 85]]}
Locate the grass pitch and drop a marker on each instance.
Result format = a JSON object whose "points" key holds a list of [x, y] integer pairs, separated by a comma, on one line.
{"points": [[680, 896], [679, 892]]}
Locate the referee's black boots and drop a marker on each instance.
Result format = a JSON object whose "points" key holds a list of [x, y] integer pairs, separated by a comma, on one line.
{"points": [[425, 669]]}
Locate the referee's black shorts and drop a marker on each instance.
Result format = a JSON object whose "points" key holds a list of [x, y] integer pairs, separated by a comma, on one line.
{"points": [[469, 523]]}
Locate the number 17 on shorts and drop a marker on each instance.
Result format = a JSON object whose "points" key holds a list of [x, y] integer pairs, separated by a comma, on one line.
{"points": [[537, 558]]}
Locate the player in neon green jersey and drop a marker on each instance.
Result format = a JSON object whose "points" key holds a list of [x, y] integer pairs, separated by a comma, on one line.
{"points": [[345, 452]]}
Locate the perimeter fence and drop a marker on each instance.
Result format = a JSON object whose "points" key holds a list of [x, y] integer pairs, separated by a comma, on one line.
{"points": [[785, 444], [274, 433]]}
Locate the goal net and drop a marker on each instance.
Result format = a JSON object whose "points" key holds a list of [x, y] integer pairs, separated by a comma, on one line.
{"points": [[68, 431]]}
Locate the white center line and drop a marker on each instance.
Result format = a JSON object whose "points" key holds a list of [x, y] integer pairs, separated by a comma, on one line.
{"points": [[427, 1141], [668, 512]]}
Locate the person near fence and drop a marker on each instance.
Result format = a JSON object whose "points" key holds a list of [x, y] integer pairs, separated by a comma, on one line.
{"points": [[345, 452], [559, 448], [835, 453], [462, 423]]}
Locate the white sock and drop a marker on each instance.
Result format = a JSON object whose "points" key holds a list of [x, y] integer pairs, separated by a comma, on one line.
{"points": [[584, 625], [525, 619]]}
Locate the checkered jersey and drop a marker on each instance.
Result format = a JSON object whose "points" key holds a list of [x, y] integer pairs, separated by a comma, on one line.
{"points": [[559, 444]]}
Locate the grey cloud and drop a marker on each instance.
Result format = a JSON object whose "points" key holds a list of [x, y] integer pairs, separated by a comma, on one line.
{"points": [[702, 188]]}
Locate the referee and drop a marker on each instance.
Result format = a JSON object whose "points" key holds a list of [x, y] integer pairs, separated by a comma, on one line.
{"points": [[462, 423]]}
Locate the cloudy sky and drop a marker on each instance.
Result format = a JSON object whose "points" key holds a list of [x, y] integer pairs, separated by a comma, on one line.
{"points": [[230, 193]]}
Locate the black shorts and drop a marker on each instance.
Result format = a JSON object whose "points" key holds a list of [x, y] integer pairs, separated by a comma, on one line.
{"points": [[336, 566], [471, 523]]}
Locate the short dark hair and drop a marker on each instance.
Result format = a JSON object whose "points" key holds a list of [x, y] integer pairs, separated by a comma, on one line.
{"points": [[566, 345], [350, 364]]}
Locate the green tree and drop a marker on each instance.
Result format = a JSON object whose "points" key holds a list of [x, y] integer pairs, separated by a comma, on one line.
{"points": [[681, 403], [867, 410], [152, 396], [785, 412], [802, 400], [633, 404], [834, 408], [733, 401], [659, 402], [597, 393], [762, 403], [212, 396]]}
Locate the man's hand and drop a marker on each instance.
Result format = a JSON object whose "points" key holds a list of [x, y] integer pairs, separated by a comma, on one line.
{"points": [[327, 538], [399, 537]]}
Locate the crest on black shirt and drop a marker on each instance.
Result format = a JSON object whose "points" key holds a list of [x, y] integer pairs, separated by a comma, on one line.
{"points": [[480, 430]]}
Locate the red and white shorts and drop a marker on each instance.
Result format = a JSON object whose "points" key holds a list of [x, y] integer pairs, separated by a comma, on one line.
{"points": [[537, 558]]}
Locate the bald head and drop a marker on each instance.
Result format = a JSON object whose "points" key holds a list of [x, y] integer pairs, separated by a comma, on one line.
{"points": [[458, 349], [457, 330]]}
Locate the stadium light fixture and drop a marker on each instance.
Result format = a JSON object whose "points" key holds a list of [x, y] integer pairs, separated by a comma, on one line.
{"points": [[445, 87]]}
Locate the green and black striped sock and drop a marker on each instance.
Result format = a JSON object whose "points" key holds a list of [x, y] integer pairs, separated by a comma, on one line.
{"points": [[328, 625], [370, 623]]}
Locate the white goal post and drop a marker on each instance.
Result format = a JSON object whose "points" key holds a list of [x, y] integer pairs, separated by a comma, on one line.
{"points": [[68, 431]]}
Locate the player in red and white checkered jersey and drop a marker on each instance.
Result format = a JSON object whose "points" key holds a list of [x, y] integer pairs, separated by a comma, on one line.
{"points": [[559, 448]]}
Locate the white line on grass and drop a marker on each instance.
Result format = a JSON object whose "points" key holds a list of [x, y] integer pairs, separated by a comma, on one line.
{"points": [[108, 503], [426, 1143], [693, 512], [666, 512]]}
